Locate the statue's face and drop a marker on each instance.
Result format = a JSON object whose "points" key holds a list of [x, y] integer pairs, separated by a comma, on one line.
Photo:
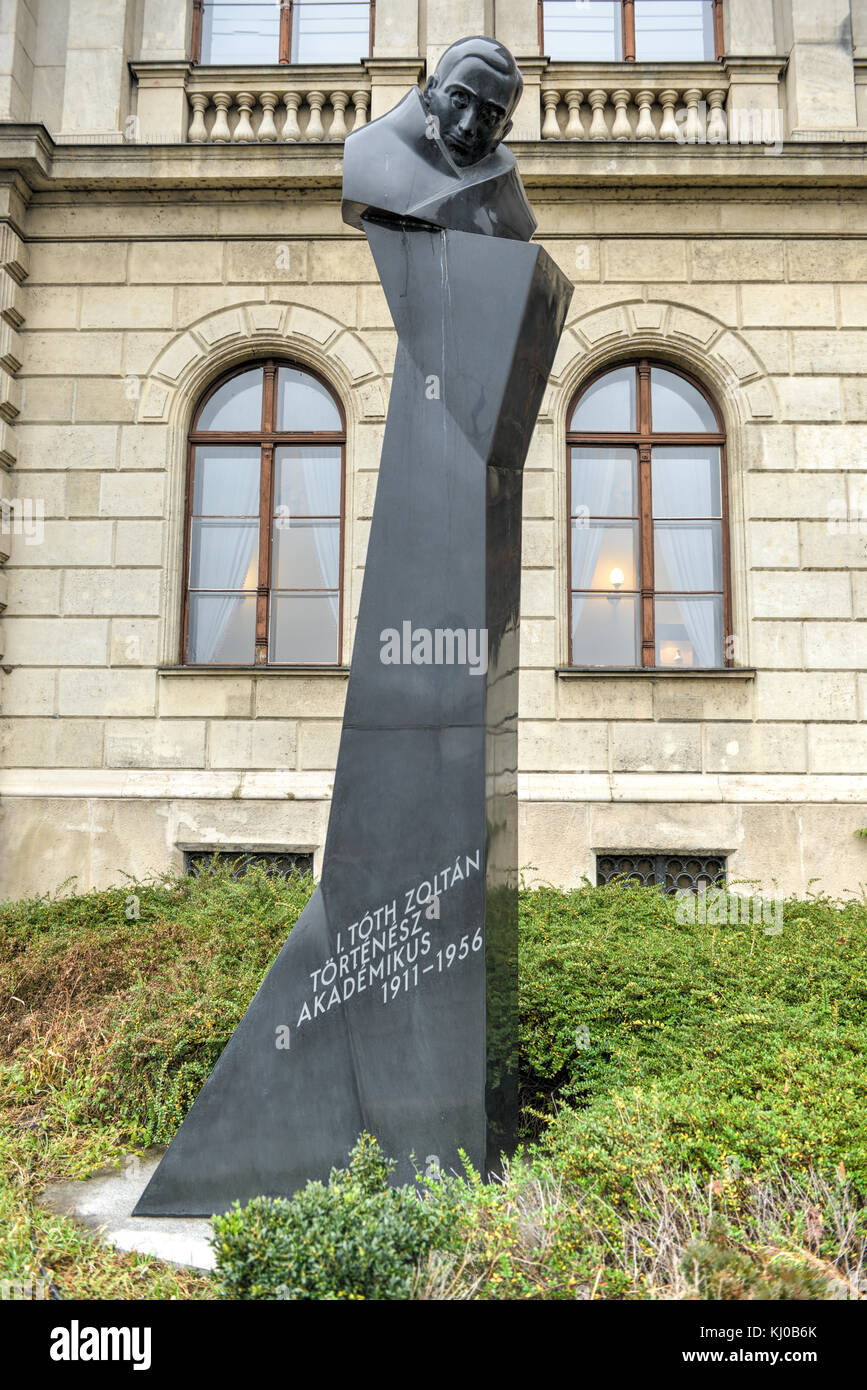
{"points": [[471, 109]]}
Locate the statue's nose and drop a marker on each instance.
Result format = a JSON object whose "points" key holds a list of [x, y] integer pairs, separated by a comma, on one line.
{"points": [[467, 123]]}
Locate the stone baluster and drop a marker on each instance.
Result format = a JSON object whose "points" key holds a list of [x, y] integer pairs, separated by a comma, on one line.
{"points": [[621, 130], [574, 127], [198, 130], [338, 120], [291, 128], [243, 134], [267, 127], [315, 128], [550, 125], [645, 130], [220, 134], [716, 120], [668, 129], [361, 101], [598, 128], [692, 130]]}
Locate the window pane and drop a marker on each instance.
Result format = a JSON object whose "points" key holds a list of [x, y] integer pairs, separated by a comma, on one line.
{"points": [[224, 554], [686, 482], [601, 549], [222, 629], [674, 31], [604, 630], [307, 481], [237, 405], [609, 404], [603, 482], [306, 554], [689, 631], [226, 481], [584, 32], [687, 555], [245, 31], [677, 407], [303, 404], [331, 31], [304, 629]]}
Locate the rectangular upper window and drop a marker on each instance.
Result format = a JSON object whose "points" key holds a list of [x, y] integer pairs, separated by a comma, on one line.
{"points": [[644, 31], [232, 32]]}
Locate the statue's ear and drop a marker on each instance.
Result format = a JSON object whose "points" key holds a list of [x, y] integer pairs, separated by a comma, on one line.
{"points": [[428, 89], [506, 129]]}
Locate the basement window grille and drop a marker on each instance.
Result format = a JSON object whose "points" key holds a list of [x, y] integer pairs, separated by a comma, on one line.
{"points": [[672, 872], [276, 864]]}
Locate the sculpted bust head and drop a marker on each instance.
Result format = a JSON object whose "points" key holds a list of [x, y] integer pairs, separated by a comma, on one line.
{"points": [[471, 96], [437, 157]]}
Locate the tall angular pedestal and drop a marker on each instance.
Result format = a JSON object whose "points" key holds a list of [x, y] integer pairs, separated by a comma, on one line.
{"points": [[392, 1008]]}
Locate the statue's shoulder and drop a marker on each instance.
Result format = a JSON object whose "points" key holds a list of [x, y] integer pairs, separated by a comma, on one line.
{"points": [[381, 161], [396, 128]]}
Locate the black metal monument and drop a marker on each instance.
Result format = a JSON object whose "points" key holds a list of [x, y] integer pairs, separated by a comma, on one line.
{"points": [[392, 1007]]}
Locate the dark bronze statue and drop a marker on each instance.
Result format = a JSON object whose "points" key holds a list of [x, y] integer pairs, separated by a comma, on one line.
{"points": [[437, 156], [392, 1007]]}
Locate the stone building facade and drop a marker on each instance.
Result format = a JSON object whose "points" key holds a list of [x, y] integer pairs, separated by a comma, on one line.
{"points": [[167, 221]]}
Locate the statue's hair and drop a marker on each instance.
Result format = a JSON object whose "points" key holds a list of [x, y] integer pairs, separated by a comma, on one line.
{"points": [[488, 51]]}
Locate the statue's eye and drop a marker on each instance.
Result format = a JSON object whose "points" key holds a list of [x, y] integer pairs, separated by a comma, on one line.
{"points": [[459, 99]]}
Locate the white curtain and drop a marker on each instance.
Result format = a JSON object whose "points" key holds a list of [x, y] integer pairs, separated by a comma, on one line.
{"points": [[226, 486], [319, 489], [218, 615], [684, 551], [597, 493]]}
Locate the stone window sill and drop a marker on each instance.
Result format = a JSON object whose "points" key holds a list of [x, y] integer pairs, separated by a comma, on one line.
{"points": [[341, 671], [744, 673]]}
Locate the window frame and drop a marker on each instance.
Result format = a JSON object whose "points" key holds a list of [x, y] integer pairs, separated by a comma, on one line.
{"points": [[284, 44], [643, 440], [267, 440], [627, 21]]}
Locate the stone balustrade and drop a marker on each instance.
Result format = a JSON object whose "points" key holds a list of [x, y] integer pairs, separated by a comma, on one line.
{"points": [[588, 105], [261, 106]]}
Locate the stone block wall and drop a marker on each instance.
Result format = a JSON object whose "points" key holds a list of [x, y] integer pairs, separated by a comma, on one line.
{"points": [[760, 297]]}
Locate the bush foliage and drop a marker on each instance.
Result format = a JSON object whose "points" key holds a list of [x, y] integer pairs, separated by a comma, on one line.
{"points": [[693, 1100], [356, 1238], [647, 1042], [142, 987]]}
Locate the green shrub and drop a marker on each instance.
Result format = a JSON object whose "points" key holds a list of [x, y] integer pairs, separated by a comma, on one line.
{"points": [[668, 1070], [139, 987], [719, 1271], [355, 1238], [650, 1043]]}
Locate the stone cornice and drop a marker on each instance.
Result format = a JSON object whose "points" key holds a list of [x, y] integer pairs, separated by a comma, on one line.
{"points": [[673, 787], [411, 67], [633, 75], [29, 154], [763, 69]]}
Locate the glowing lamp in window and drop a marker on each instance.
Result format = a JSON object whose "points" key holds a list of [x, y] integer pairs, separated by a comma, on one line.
{"points": [[676, 653]]}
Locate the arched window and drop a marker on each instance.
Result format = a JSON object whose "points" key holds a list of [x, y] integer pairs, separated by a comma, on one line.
{"points": [[263, 553], [648, 554]]}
